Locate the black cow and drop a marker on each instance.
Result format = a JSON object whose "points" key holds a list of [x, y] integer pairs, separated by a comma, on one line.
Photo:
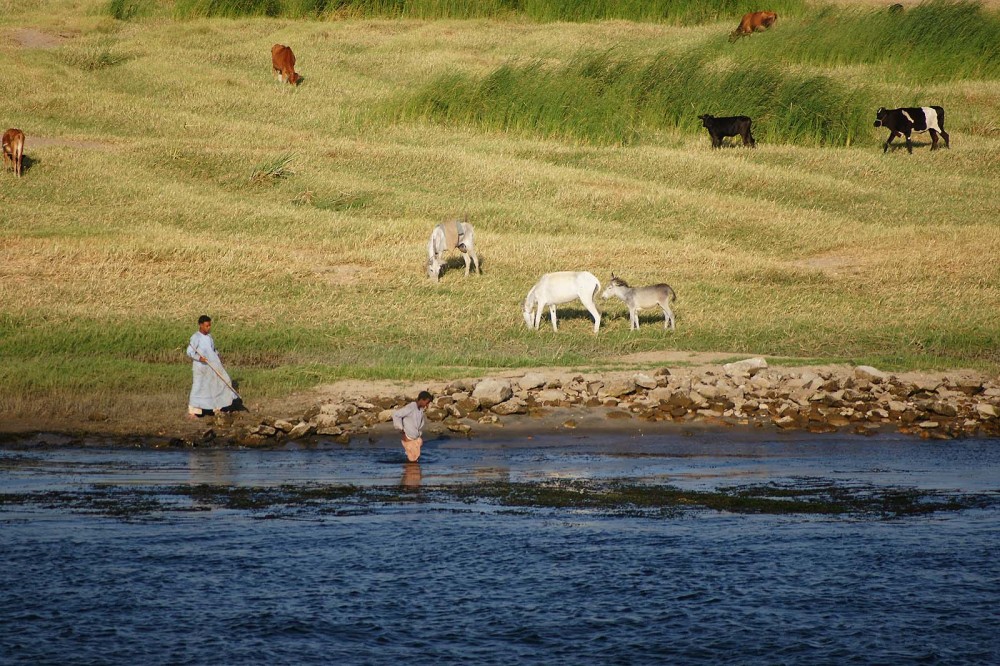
{"points": [[912, 119], [720, 128]]}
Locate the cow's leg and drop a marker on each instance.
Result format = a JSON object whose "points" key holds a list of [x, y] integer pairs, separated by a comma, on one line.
{"points": [[552, 314], [947, 144], [467, 260], [716, 140], [909, 144], [475, 259], [892, 135], [934, 139]]}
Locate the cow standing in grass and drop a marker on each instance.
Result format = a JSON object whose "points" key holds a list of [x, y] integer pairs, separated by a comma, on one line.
{"points": [[720, 128], [13, 149], [283, 63], [913, 119], [752, 22]]}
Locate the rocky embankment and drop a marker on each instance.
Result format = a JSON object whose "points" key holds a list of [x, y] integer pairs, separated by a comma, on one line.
{"points": [[862, 399]]}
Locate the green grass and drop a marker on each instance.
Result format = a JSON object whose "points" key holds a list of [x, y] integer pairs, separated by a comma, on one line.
{"points": [[137, 212], [606, 97], [939, 40], [681, 12]]}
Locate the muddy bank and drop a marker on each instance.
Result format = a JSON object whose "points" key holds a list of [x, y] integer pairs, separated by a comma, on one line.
{"points": [[747, 393]]}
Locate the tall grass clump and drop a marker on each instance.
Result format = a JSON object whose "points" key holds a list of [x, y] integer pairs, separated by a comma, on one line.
{"points": [[667, 11], [938, 40], [601, 98], [274, 168], [123, 10], [237, 8]]}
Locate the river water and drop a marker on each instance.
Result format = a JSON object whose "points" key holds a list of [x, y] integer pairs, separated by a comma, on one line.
{"points": [[466, 579]]}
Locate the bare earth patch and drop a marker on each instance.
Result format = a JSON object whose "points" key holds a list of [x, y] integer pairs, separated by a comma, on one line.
{"points": [[29, 38], [56, 142]]}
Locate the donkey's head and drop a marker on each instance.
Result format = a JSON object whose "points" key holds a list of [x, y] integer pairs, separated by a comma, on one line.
{"points": [[615, 287]]}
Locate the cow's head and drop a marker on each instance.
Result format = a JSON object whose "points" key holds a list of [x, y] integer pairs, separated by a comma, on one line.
{"points": [[706, 119], [294, 78], [880, 116]]}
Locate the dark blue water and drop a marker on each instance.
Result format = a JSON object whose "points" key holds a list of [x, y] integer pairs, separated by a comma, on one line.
{"points": [[452, 582]]}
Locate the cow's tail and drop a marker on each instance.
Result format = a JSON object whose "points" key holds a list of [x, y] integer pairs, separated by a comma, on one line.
{"points": [[939, 110]]}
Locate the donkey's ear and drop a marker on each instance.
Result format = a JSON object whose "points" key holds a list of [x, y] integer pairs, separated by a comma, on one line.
{"points": [[613, 276]]}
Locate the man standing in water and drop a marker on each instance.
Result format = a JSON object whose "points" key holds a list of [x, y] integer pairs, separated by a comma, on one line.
{"points": [[211, 389], [409, 420]]}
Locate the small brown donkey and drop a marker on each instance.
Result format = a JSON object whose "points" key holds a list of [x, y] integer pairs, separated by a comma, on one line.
{"points": [[13, 149], [283, 62]]}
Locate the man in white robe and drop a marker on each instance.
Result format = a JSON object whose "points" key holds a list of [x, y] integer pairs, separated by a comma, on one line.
{"points": [[409, 421], [210, 389]]}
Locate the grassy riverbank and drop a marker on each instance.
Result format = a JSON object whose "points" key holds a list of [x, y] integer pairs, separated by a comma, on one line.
{"points": [[170, 175]]}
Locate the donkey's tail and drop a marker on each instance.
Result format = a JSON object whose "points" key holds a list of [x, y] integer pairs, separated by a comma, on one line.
{"points": [[673, 294]]}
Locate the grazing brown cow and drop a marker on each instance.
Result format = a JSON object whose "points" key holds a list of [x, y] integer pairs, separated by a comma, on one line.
{"points": [[13, 149], [753, 22], [283, 62]]}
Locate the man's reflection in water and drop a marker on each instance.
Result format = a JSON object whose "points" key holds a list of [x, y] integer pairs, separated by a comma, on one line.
{"points": [[411, 475]]}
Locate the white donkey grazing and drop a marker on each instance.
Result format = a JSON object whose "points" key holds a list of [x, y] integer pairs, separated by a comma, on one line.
{"points": [[637, 298], [451, 235], [554, 289]]}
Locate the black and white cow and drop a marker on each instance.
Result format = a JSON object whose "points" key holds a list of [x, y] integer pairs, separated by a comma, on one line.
{"points": [[720, 128], [914, 119]]}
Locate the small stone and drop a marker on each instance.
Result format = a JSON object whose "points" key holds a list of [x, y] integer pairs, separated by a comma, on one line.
{"points": [[785, 422], [513, 406], [570, 424], [868, 373], [896, 406], [531, 380], [283, 425], [463, 428], [644, 381], [927, 425], [662, 372], [435, 414], [266, 430], [329, 430], [750, 366], [618, 415], [944, 409], [489, 418], [385, 416], [550, 396], [301, 430], [618, 387], [986, 410]]}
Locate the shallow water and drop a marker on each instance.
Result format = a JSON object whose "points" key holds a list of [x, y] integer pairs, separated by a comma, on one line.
{"points": [[466, 581]]}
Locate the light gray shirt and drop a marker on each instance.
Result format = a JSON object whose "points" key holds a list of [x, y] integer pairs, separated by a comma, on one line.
{"points": [[409, 419]]}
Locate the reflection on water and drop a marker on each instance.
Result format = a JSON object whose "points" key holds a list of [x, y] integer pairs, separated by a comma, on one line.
{"points": [[449, 582], [411, 475]]}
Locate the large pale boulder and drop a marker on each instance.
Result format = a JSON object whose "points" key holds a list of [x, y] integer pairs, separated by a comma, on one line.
{"points": [[750, 366], [870, 374], [617, 387], [531, 380], [644, 381], [508, 407], [491, 392]]}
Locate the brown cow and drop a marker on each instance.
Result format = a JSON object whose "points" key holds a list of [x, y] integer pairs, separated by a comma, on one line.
{"points": [[283, 62], [753, 22], [13, 149]]}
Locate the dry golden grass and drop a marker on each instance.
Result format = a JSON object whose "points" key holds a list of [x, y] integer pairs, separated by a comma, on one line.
{"points": [[139, 212]]}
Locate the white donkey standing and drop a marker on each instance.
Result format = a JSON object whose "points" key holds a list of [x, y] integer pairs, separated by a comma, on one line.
{"points": [[451, 235], [637, 298], [554, 289]]}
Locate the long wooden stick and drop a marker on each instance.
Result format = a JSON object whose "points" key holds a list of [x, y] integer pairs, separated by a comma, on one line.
{"points": [[218, 374]]}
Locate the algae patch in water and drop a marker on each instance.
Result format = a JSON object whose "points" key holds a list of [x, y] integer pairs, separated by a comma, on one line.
{"points": [[607, 497]]}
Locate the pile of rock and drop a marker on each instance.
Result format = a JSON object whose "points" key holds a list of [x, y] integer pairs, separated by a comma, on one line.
{"points": [[746, 392]]}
